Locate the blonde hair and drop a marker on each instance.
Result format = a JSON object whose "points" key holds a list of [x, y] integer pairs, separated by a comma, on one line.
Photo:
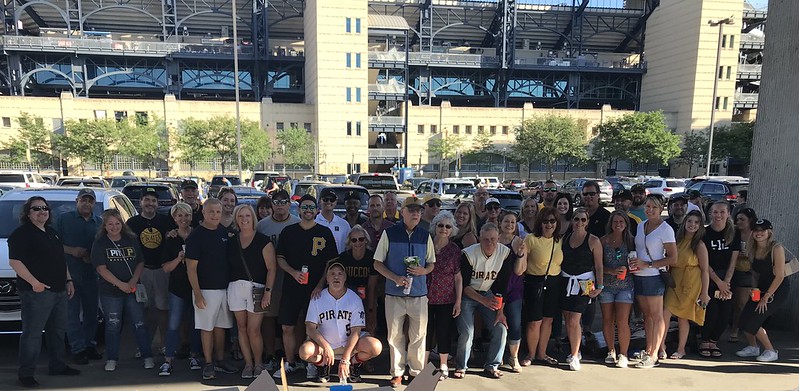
{"points": [[180, 206], [358, 229], [114, 214], [238, 210], [751, 245]]}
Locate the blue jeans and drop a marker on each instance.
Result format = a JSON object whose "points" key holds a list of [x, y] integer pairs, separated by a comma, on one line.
{"points": [[177, 309], [513, 311], [42, 311], [113, 307], [84, 279], [465, 323]]}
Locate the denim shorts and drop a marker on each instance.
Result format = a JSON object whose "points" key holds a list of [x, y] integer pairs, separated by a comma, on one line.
{"points": [[610, 295], [649, 286]]}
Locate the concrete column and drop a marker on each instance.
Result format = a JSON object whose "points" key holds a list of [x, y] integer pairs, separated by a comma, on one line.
{"points": [[774, 167]]}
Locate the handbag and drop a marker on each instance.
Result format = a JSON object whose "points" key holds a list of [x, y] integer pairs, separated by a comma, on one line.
{"points": [[257, 292], [791, 263], [665, 275], [543, 286]]}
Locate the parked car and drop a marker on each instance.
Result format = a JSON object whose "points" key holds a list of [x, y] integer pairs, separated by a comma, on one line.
{"points": [[220, 181], [446, 188], [514, 184], [167, 196], [341, 192], [664, 187], [336, 179], [715, 190], [259, 178], [533, 189], [61, 200], [413, 183], [119, 182], [86, 182], [575, 188], [303, 187], [508, 199], [22, 179]]}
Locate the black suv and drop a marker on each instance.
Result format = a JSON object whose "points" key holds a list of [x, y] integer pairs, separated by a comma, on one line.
{"points": [[220, 181], [167, 196], [715, 190]]}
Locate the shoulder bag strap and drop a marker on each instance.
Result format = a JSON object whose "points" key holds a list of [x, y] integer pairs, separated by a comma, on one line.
{"points": [[241, 256], [551, 255]]}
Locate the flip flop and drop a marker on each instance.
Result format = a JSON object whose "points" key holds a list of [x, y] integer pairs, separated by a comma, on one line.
{"points": [[547, 360], [525, 362], [676, 356], [493, 373], [459, 374], [715, 352]]}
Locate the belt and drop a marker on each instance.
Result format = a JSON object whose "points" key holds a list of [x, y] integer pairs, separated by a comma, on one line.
{"points": [[152, 267]]}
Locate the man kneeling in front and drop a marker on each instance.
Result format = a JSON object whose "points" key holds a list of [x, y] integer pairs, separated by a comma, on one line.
{"points": [[333, 324]]}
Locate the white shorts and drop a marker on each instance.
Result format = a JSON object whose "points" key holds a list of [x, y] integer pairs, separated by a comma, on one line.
{"points": [[156, 283], [216, 312], [239, 295]]}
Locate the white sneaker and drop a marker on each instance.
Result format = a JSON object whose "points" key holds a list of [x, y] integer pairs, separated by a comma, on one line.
{"points": [[768, 356], [611, 358], [622, 361], [749, 351], [574, 363], [149, 363], [110, 366], [310, 371]]}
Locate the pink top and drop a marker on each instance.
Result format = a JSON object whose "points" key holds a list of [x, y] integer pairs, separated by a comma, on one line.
{"points": [[441, 281]]}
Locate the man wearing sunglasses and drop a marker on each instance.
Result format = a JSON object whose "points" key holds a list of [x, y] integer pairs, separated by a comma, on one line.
{"points": [[338, 226], [480, 197], [639, 197], [304, 244], [432, 206], [550, 191]]}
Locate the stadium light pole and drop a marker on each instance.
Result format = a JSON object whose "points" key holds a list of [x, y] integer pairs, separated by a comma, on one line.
{"points": [[236, 85], [714, 23]]}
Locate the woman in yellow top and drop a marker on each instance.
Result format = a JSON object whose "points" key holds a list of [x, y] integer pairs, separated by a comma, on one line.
{"points": [[691, 275], [542, 283]]}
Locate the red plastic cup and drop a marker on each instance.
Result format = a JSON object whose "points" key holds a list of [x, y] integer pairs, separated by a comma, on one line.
{"points": [[498, 298], [622, 275], [756, 295]]}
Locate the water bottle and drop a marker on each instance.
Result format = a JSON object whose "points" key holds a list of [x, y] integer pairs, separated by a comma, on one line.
{"points": [[407, 290]]}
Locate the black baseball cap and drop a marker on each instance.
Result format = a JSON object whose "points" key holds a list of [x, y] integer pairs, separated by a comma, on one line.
{"points": [[762, 224], [282, 194], [149, 191], [352, 196], [308, 197], [625, 195], [678, 198], [328, 193], [188, 183], [87, 192], [638, 188]]}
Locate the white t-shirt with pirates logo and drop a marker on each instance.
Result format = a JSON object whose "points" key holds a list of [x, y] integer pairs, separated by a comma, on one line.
{"points": [[335, 318]]}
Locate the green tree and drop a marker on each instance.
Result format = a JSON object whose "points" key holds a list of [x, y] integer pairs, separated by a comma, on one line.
{"points": [[694, 148], [446, 148], [481, 148], [216, 137], [638, 138], [143, 139], [191, 142], [299, 147], [90, 141], [32, 138], [548, 139], [255, 145], [734, 141]]}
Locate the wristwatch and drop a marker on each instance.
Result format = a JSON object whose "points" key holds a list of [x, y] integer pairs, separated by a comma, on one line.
{"points": [[267, 289]]}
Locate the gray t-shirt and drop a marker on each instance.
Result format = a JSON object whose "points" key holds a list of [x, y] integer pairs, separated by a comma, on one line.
{"points": [[120, 257], [272, 229]]}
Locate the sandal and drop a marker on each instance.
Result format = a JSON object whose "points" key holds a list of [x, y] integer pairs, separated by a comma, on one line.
{"points": [[493, 373], [547, 360], [677, 355], [444, 371], [715, 352], [526, 361], [459, 374], [662, 355], [733, 338], [704, 349]]}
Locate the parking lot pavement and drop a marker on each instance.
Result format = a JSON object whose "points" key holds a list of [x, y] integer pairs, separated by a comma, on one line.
{"points": [[690, 373]]}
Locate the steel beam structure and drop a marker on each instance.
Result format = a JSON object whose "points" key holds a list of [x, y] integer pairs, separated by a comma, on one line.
{"points": [[576, 21], [638, 32]]}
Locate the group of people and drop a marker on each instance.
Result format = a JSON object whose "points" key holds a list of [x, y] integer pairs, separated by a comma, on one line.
{"points": [[330, 287]]}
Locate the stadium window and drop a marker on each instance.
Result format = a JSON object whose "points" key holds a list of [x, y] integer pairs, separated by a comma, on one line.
{"points": [[358, 94], [420, 129], [732, 42], [481, 129], [357, 25], [729, 72], [357, 60], [295, 125], [433, 129], [358, 128], [99, 114], [721, 72], [349, 94], [456, 129], [493, 130], [348, 25], [724, 41], [468, 129], [726, 100], [718, 102], [279, 126], [307, 127], [504, 130], [349, 60], [120, 115], [349, 128], [6, 122]]}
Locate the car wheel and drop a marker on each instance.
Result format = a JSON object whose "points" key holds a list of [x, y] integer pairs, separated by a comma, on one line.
{"points": [[577, 200]]}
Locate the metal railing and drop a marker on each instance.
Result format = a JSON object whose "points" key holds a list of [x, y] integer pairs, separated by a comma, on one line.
{"points": [[392, 87], [385, 153], [471, 60], [386, 120], [390, 56], [93, 46], [749, 71], [748, 97], [751, 41]]}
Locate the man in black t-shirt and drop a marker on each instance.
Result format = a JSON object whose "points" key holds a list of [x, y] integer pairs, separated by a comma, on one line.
{"points": [[207, 264], [151, 229], [191, 196], [303, 244]]}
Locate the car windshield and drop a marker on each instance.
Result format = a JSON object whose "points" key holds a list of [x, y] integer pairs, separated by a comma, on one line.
{"points": [[454, 188], [342, 192], [736, 188], [10, 211], [377, 182], [9, 178], [512, 201], [302, 189], [231, 181], [121, 182], [134, 192], [672, 183], [83, 183]]}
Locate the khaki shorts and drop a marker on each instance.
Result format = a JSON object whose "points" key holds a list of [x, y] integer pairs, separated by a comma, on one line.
{"points": [[156, 283], [239, 295], [216, 312]]}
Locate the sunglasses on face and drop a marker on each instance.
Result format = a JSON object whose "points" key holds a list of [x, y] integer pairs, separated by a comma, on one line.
{"points": [[581, 219], [589, 193], [433, 204], [280, 202], [329, 199], [550, 189], [40, 208], [447, 226], [356, 240], [308, 207], [493, 207], [550, 221]]}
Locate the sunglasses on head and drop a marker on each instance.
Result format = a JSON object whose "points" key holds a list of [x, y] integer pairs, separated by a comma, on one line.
{"points": [[589, 193], [40, 208], [308, 207], [549, 221], [442, 225], [329, 199], [356, 240], [436, 204], [550, 189], [280, 202], [581, 219]]}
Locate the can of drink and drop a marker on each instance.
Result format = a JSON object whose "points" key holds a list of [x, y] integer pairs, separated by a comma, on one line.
{"points": [[184, 247], [304, 271], [362, 292], [498, 298], [630, 256], [756, 295], [407, 290], [622, 274]]}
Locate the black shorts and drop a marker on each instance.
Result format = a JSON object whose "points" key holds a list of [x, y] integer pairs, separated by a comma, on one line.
{"points": [[743, 279], [292, 306], [536, 308], [574, 303]]}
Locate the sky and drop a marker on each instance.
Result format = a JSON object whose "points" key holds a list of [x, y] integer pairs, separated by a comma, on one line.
{"points": [[759, 4]]}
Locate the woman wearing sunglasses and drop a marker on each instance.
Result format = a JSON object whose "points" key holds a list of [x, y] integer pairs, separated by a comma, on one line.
{"points": [[616, 300], [358, 262], [541, 284], [444, 289], [581, 273], [508, 235]]}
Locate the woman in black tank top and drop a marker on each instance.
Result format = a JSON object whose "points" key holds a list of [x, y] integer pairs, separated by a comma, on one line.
{"points": [[582, 262]]}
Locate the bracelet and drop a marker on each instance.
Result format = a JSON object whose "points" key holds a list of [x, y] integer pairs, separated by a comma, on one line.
{"points": [[600, 287], [69, 280], [345, 362]]}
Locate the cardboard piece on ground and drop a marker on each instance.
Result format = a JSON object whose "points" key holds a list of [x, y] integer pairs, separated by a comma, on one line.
{"points": [[427, 380], [263, 382]]}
